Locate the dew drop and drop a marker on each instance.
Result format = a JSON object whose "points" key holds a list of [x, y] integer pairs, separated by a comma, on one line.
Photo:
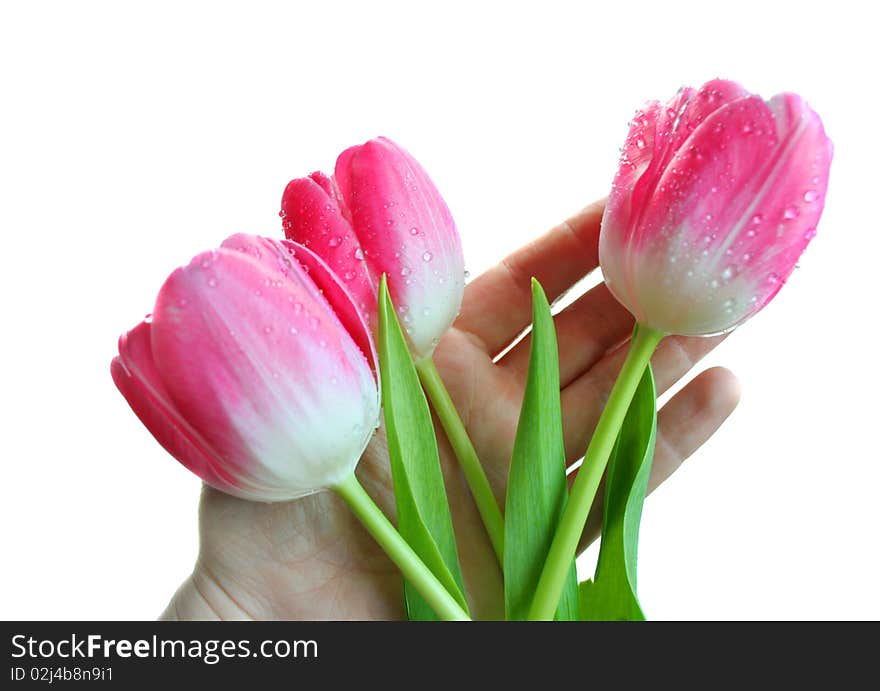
{"points": [[791, 212], [335, 241], [727, 274], [757, 219], [267, 330], [640, 143], [811, 196], [293, 331], [728, 305], [413, 231], [359, 254], [427, 256], [297, 308], [714, 283], [404, 271], [426, 311], [746, 257], [773, 278], [810, 234], [212, 282]]}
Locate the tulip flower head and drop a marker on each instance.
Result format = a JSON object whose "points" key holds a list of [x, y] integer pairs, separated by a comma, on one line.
{"points": [[717, 195], [256, 371], [380, 213]]}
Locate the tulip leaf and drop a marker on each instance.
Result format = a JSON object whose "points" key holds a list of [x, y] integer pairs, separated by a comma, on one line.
{"points": [[611, 595], [423, 517], [537, 489]]}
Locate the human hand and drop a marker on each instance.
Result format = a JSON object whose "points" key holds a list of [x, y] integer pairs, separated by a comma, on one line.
{"points": [[311, 558]]}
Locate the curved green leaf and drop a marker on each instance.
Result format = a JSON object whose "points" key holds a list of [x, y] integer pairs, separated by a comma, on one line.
{"points": [[612, 593], [536, 488], [423, 517]]}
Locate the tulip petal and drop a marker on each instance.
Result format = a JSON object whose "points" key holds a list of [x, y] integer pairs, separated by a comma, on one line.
{"points": [[313, 217], [407, 233], [254, 357], [137, 379], [717, 196], [284, 255]]}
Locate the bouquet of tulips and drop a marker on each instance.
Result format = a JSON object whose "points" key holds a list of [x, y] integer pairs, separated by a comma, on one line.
{"points": [[268, 364]]}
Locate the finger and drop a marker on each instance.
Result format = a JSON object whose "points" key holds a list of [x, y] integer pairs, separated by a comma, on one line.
{"points": [[585, 330], [690, 417], [584, 399], [497, 305], [684, 424]]}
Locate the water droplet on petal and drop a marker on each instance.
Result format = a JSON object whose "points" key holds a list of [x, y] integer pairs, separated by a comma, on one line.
{"points": [[427, 256], [714, 283], [404, 271], [811, 196], [413, 231], [810, 234], [267, 329], [727, 274], [293, 331], [791, 212], [212, 282], [426, 311], [640, 142], [335, 241], [359, 254]]}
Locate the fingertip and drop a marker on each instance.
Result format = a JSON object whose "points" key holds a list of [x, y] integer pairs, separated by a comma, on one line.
{"points": [[723, 389]]}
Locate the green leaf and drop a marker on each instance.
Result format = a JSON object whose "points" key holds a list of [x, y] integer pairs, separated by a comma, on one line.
{"points": [[612, 593], [423, 517], [537, 489]]}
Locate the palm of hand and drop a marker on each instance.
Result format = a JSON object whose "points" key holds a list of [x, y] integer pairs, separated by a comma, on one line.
{"points": [[311, 559]]}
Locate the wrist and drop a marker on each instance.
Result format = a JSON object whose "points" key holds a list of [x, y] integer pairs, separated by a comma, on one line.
{"points": [[202, 598]]}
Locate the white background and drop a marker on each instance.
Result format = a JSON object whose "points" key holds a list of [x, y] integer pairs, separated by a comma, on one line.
{"points": [[133, 136]]}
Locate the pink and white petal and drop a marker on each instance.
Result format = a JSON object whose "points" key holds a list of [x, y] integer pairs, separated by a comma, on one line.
{"points": [[260, 365], [341, 302], [407, 233], [312, 274]]}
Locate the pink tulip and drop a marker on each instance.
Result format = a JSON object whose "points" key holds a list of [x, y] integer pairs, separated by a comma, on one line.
{"points": [[256, 371], [380, 213], [717, 195]]}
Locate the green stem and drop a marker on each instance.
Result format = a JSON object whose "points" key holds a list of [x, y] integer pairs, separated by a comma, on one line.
{"points": [[571, 525], [466, 454], [412, 568]]}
